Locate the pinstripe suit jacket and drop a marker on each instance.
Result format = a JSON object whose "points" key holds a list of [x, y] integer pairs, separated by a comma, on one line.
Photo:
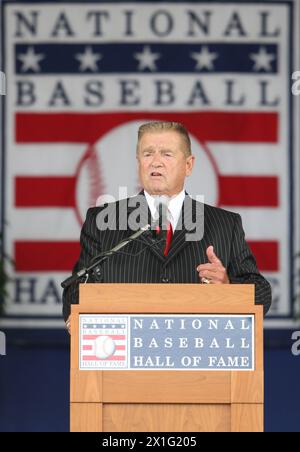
{"points": [[222, 229]]}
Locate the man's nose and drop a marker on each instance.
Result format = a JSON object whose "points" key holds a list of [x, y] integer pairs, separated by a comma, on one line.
{"points": [[156, 161]]}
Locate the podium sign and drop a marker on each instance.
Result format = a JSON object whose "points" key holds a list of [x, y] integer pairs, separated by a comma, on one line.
{"points": [[172, 342], [167, 358]]}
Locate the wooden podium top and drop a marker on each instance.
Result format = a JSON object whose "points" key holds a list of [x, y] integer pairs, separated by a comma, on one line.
{"points": [[167, 298]]}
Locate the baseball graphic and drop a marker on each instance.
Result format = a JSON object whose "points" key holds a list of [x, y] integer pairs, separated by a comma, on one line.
{"points": [[104, 347]]}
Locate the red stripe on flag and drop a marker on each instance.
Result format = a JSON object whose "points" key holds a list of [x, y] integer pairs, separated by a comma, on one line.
{"points": [[34, 191], [37, 256], [112, 358], [61, 256], [266, 254], [249, 191], [90, 127], [116, 337]]}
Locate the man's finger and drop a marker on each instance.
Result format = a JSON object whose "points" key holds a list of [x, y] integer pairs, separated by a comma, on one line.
{"points": [[210, 267], [212, 257], [210, 275]]}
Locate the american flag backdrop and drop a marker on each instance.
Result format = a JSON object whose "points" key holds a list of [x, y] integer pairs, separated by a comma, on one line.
{"points": [[81, 78]]}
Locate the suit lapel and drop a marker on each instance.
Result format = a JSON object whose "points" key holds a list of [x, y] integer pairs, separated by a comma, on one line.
{"points": [[191, 211], [153, 246]]}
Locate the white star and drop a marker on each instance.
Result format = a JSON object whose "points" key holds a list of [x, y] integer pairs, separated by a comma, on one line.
{"points": [[147, 59], [262, 60], [31, 60], [88, 60], [204, 58]]}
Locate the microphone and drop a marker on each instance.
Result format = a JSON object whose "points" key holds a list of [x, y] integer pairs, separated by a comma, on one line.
{"points": [[134, 236], [103, 256], [161, 218]]}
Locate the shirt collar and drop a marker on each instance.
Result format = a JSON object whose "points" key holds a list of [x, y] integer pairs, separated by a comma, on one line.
{"points": [[174, 206]]}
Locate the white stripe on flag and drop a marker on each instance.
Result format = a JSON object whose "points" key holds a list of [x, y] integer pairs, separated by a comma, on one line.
{"points": [[92, 353], [49, 159], [244, 159]]}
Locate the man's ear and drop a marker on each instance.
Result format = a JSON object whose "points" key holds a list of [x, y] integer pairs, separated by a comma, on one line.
{"points": [[190, 164]]}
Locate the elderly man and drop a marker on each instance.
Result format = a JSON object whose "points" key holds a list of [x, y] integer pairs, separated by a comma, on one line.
{"points": [[219, 256]]}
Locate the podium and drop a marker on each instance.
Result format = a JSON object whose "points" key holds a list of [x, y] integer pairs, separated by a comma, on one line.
{"points": [[166, 400]]}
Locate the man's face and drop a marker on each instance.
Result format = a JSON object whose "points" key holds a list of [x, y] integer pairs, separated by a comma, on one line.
{"points": [[163, 165]]}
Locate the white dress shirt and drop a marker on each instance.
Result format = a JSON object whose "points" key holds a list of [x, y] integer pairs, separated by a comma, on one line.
{"points": [[174, 206]]}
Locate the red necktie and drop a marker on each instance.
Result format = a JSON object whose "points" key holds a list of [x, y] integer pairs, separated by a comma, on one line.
{"points": [[169, 236], [169, 239]]}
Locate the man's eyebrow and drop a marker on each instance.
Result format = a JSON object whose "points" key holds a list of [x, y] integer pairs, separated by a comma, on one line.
{"points": [[151, 149]]}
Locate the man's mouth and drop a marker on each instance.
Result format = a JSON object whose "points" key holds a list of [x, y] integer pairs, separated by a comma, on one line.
{"points": [[156, 174]]}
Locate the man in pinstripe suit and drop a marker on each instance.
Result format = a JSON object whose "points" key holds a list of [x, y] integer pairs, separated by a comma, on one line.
{"points": [[219, 256]]}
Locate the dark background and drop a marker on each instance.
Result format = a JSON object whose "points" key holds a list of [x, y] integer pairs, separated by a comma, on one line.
{"points": [[34, 382]]}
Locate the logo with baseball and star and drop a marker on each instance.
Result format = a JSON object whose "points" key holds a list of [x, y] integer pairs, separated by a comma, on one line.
{"points": [[103, 342]]}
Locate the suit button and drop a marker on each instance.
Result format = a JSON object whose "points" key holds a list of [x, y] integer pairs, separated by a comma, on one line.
{"points": [[165, 280]]}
